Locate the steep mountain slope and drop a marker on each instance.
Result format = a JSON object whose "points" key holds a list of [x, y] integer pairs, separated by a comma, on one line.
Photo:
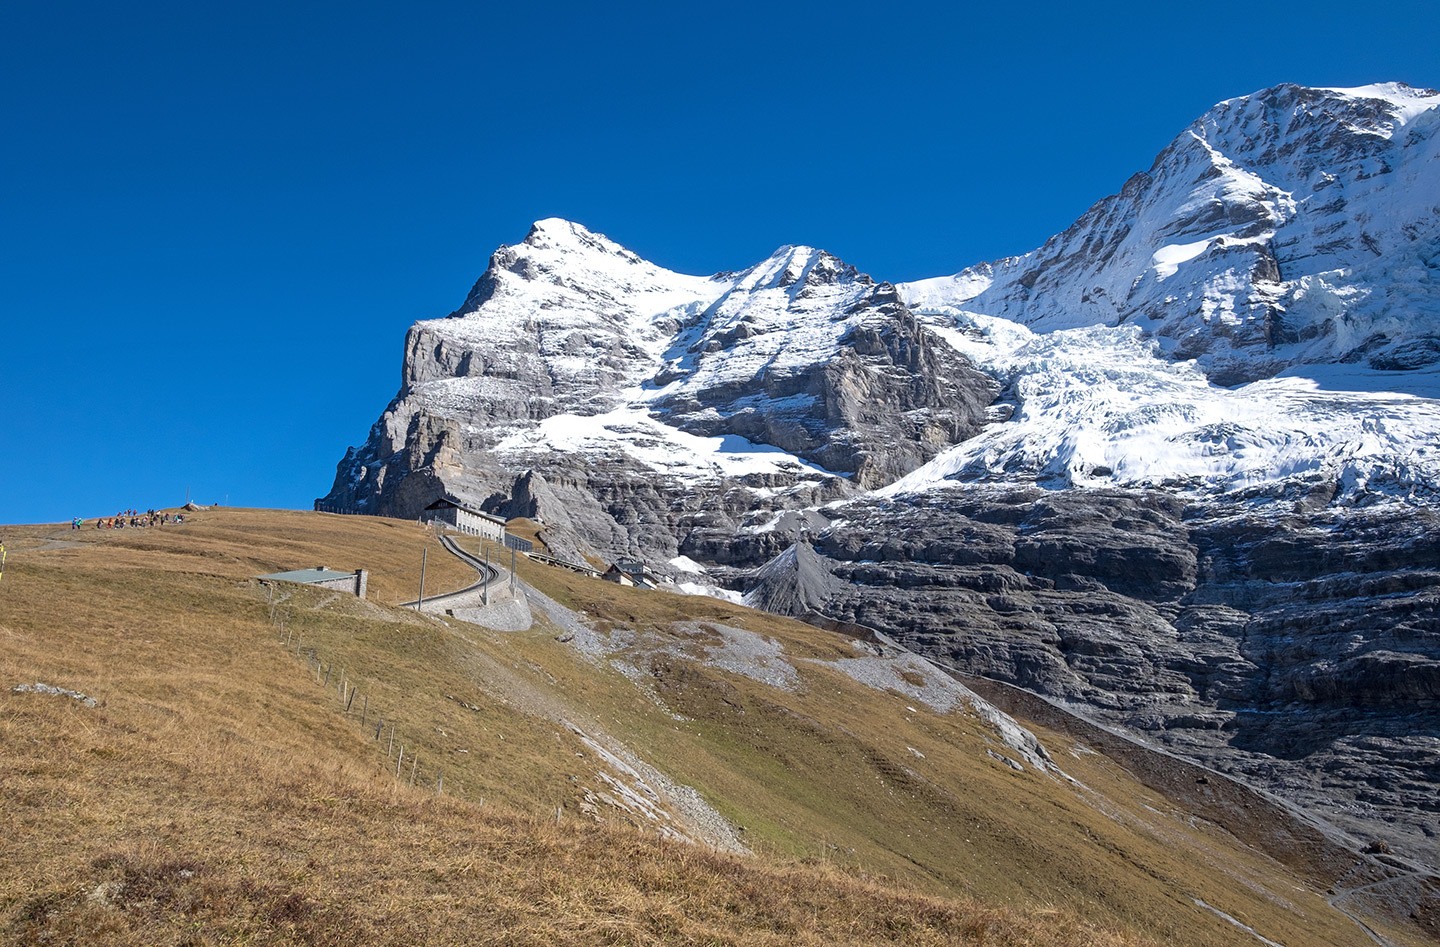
{"points": [[1295, 232], [226, 783], [1178, 467], [614, 383]]}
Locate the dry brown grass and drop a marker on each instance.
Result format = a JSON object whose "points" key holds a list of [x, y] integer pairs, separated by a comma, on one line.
{"points": [[830, 773], [198, 842], [218, 795], [528, 529]]}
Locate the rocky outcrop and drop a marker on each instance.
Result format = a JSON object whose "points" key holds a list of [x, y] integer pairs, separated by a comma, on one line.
{"points": [[615, 507], [886, 399], [799, 581]]}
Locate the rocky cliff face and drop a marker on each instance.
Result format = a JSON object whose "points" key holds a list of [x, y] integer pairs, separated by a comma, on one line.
{"points": [[873, 395], [1177, 468], [1298, 649]]}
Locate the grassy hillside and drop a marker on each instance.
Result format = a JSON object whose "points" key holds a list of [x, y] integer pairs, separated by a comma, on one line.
{"points": [[229, 785]]}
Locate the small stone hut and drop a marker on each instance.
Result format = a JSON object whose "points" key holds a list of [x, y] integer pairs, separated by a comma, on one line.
{"points": [[352, 582]]}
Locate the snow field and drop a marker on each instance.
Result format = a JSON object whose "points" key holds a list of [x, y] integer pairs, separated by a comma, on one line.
{"points": [[664, 449], [1104, 406]]}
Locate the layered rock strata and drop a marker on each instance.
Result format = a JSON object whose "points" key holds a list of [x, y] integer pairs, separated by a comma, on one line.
{"points": [[1301, 651]]}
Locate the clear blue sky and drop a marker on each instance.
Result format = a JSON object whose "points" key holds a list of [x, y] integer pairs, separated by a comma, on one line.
{"points": [[217, 221]]}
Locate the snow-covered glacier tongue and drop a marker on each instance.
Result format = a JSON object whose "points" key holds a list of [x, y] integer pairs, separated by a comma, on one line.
{"points": [[1103, 406], [1176, 469]]}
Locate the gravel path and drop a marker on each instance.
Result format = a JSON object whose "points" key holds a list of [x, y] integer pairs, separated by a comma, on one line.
{"points": [[512, 615]]}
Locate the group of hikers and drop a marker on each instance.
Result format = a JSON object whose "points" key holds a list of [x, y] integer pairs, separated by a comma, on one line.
{"points": [[132, 519]]}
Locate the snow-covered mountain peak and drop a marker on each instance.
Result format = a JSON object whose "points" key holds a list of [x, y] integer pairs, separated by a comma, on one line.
{"points": [[1290, 226], [1371, 107], [1294, 135], [561, 266], [571, 344], [563, 321], [1400, 101], [558, 234], [1398, 95], [564, 252], [799, 266]]}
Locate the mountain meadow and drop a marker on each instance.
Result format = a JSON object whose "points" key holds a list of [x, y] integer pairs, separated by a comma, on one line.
{"points": [[216, 759]]}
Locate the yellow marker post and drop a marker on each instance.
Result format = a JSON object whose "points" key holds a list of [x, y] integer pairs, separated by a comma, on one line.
{"points": [[2, 560]]}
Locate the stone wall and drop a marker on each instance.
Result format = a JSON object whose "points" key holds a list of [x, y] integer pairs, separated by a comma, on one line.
{"points": [[354, 584]]}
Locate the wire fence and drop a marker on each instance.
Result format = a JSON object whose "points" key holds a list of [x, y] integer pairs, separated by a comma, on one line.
{"points": [[355, 705]]}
